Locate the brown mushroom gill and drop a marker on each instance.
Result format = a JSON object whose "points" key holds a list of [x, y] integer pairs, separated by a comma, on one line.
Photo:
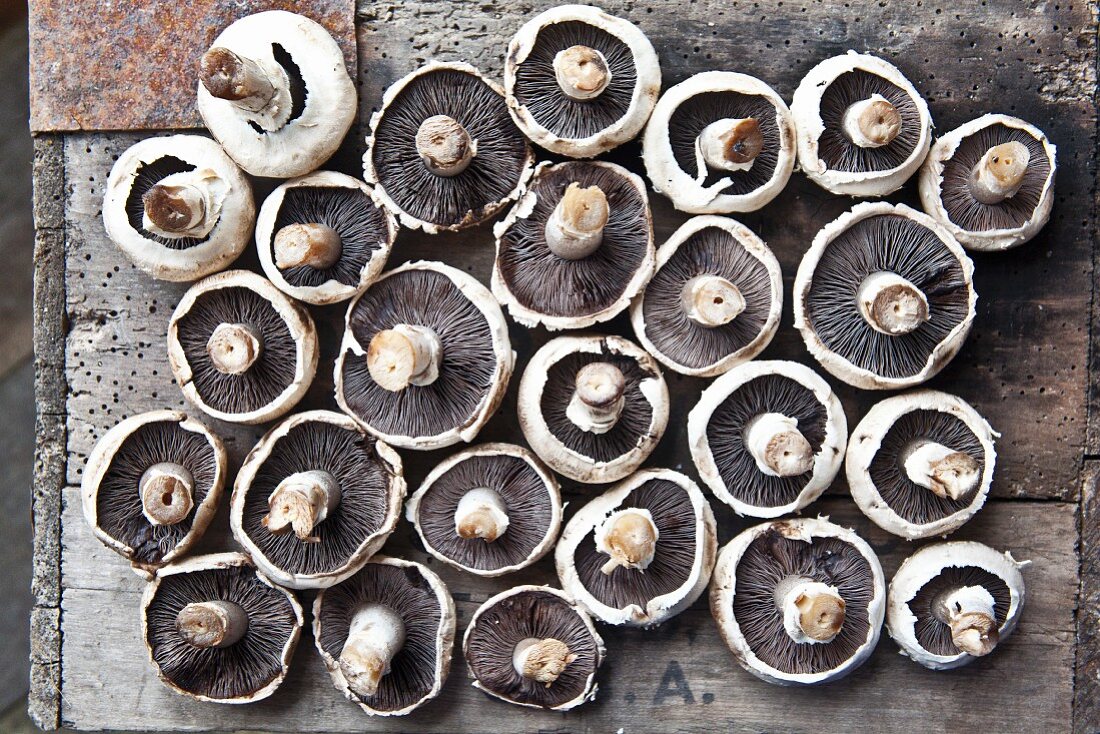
{"points": [[933, 634], [146, 178], [838, 151]]}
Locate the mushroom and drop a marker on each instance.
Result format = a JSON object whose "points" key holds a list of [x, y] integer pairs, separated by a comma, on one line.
{"points": [[241, 350], [799, 602], [322, 239], [990, 182], [579, 81], [641, 552], [593, 407], [576, 248], [218, 630], [953, 602], [533, 646], [714, 301], [720, 142], [884, 297], [178, 207], [863, 128], [443, 152], [767, 437], [152, 485], [274, 91], [425, 359], [386, 635], [489, 510]]}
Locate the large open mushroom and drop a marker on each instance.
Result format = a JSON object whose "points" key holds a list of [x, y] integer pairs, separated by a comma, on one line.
{"points": [[386, 635], [720, 142], [641, 552], [490, 510], [532, 646], [178, 207], [426, 357], [990, 182], [799, 602], [953, 602], [593, 407], [274, 91], [863, 128], [714, 301], [579, 81], [240, 349], [884, 297], [218, 630], [768, 437], [576, 247]]}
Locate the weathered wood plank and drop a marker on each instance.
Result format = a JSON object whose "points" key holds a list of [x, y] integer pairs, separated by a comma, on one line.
{"points": [[1086, 709]]}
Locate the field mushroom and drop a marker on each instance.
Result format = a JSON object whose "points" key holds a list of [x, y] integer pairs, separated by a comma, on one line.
{"points": [[443, 152], [720, 142], [884, 297], [425, 359], [990, 182], [641, 552], [579, 81], [489, 510], [152, 485], [768, 437], [576, 247], [593, 407], [274, 91], [714, 301], [218, 630], [178, 207], [799, 602], [386, 635], [240, 350], [952, 602], [533, 646], [863, 128], [322, 238]]}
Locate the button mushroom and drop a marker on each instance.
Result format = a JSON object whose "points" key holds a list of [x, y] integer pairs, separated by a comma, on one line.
{"points": [[593, 407], [863, 128], [274, 91], [799, 602], [178, 207], [576, 248]]}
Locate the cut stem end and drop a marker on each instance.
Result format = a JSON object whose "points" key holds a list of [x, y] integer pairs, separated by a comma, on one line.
{"points": [[404, 355], [779, 448], [598, 397], [211, 624], [945, 472], [630, 538], [581, 72], [311, 244], [872, 122], [300, 502], [375, 635], [711, 300], [444, 145], [1000, 172], [166, 491], [234, 348], [542, 661], [813, 612], [890, 304], [481, 513], [575, 227]]}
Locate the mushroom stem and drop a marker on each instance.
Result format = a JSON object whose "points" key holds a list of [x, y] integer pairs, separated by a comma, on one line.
{"points": [[946, 472], [575, 227], [813, 612], [209, 624], [481, 513], [375, 635], [730, 144], [444, 145], [629, 537], [404, 355], [236, 79], [1000, 172], [778, 446], [581, 72], [234, 348], [300, 502], [173, 209], [711, 300], [312, 244], [890, 304], [872, 122], [968, 611], [598, 399], [542, 661], [166, 491]]}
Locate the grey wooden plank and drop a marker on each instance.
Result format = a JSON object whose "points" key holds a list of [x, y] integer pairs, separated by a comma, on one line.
{"points": [[1086, 709]]}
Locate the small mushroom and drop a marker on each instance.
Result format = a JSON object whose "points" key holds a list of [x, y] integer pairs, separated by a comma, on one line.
{"points": [[768, 437], [489, 510], [952, 602], [532, 646], [593, 407], [274, 91], [386, 635], [641, 552], [714, 301], [863, 128], [990, 182], [799, 602], [576, 248], [720, 142], [579, 81], [443, 152], [425, 359], [884, 297], [240, 350], [322, 239], [178, 207], [218, 630]]}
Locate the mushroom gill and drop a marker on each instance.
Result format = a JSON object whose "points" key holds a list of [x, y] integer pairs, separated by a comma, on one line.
{"points": [[895, 110], [933, 627]]}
